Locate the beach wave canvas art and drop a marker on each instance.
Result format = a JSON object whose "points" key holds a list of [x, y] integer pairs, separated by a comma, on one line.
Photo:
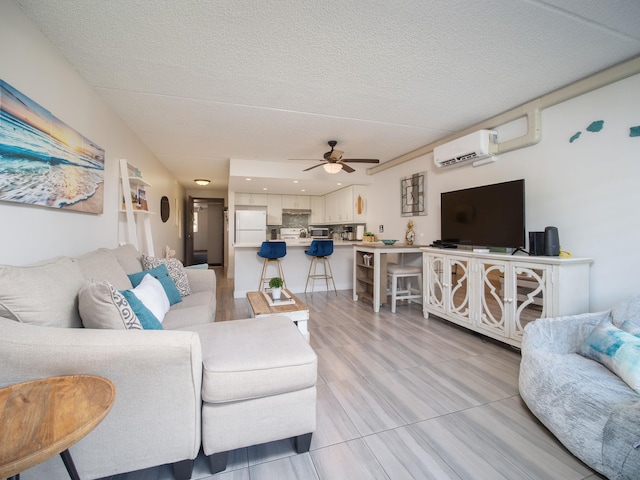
{"points": [[45, 162]]}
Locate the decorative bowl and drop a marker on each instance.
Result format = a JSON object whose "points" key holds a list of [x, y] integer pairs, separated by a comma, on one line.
{"points": [[389, 242]]}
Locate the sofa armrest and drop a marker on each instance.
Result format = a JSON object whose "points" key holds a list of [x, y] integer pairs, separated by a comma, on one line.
{"points": [[560, 334], [201, 280], [158, 375]]}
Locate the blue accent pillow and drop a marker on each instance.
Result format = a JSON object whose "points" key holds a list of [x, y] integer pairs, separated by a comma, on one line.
{"points": [[617, 350], [162, 274], [146, 318]]}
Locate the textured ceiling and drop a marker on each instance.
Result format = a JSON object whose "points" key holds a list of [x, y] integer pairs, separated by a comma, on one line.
{"points": [[202, 82]]}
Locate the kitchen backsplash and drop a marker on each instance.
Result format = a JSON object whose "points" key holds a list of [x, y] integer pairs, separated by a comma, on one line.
{"points": [[302, 221]]}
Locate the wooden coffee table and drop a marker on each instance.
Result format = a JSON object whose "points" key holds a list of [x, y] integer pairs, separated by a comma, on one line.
{"points": [[42, 418], [298, 312]]}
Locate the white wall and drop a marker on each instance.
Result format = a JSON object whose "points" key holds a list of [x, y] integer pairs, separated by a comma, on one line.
{"points": [[589, 189], [30, 63]]}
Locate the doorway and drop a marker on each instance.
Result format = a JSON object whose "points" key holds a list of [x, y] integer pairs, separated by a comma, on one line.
{"points": [[205, 231]]}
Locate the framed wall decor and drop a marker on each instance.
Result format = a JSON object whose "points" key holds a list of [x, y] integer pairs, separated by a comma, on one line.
{"points": [[44, 161], [413, 197]]}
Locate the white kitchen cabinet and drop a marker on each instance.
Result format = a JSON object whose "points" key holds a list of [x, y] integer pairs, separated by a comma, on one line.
{"points": [[274, 209], [499, 294], [317, 210], [330, 205], [346, 205], [296, 202], [253, 199]]}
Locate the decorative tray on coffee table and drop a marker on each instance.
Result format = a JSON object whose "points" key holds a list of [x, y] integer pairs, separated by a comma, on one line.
{"points": [[284, 300]]}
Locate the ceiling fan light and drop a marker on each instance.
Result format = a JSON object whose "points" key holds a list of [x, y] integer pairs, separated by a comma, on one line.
{"points": [[202, 181], [332, 167]]}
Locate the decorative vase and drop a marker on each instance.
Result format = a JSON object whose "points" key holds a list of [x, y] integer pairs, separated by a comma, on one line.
{"points": [[410, 236], [276, 293]]}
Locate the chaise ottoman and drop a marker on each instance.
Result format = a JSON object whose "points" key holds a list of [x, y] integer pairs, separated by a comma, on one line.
{"points": [[259, 385]]}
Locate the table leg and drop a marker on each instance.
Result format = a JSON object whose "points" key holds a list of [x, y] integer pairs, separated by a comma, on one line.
{"points": [[376, 281], [68, 462]]}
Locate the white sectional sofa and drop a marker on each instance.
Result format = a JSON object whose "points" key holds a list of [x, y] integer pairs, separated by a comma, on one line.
{"points": [[194, 383], [156, 418]]}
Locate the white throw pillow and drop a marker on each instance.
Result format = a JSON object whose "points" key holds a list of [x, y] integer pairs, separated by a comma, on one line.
{"points": [[151, 293]]}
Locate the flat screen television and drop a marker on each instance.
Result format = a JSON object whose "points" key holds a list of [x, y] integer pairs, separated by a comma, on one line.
{"points": [[486, 216]]}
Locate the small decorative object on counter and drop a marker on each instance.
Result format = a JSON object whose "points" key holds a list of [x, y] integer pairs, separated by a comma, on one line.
{"points": [[410, 236], [368, 237], [276, 287]]}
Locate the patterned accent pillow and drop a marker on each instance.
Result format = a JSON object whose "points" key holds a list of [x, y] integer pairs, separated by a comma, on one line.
{"points": [[617, 350], [176, 271], [102, 306]]}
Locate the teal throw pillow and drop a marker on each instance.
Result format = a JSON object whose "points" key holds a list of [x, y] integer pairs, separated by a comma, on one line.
{"points": [[146, 318], [162, 274], [617, 350]]}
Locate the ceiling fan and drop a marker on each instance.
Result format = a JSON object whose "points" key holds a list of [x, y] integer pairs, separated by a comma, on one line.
{"points": [[333, 161]]}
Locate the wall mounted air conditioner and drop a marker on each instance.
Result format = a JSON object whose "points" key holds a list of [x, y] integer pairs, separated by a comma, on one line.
{"points": [[474, 147]]}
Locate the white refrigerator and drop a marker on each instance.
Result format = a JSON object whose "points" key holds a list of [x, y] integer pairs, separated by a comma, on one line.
{"points": [[251, 226]]}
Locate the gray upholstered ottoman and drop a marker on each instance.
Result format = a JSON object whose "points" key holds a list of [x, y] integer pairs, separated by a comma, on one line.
{"points": [[259, 385]]}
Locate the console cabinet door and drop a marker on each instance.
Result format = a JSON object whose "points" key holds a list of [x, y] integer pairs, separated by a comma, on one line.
{"points": [[433, 282], [512, 295], [492, 297], [458, 304], [447, 285], [532, 296]]}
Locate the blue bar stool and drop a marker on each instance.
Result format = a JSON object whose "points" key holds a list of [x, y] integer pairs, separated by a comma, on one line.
{"points": [[272, 252], [320, 250]]}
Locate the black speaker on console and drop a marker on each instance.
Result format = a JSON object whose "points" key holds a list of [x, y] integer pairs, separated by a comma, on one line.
{"points": [[551, 242], [536, 243]]}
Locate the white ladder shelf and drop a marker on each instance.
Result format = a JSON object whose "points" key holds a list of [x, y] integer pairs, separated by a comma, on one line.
{"points": [[135, 215]]}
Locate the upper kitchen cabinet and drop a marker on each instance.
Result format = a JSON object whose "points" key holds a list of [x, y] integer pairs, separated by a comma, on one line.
{"points": [[253, 199], [317, 210], [274, 209], [296, 202], [346, 205]]}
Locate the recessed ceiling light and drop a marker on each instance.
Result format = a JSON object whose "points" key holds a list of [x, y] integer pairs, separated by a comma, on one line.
{"points": [[295, 181], [265, 188], [338, 183], [202, 181], [248, 179], [302, 190]]}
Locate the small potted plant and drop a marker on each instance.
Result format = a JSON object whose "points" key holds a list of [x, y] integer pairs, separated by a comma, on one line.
{"points": [[276, 284], [368, 237]]}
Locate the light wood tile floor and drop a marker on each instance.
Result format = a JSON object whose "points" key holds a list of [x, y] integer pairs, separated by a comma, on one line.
{"points": [[401, 397]]}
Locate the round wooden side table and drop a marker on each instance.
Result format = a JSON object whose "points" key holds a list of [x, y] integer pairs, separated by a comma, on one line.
{"points": [[42, 418]]}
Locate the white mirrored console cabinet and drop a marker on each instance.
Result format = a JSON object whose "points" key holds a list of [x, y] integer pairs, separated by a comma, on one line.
{"points": [[498, 294]]}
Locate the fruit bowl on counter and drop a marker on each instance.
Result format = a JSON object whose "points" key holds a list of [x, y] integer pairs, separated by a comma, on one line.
{"points": [[388, 242]]}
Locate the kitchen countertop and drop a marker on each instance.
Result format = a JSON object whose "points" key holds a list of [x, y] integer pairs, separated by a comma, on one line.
{"points": [[299, 242]]}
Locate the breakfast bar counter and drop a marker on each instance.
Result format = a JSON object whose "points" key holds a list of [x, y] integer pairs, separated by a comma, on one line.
{"points": [[248, 266], [370, 268]]}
